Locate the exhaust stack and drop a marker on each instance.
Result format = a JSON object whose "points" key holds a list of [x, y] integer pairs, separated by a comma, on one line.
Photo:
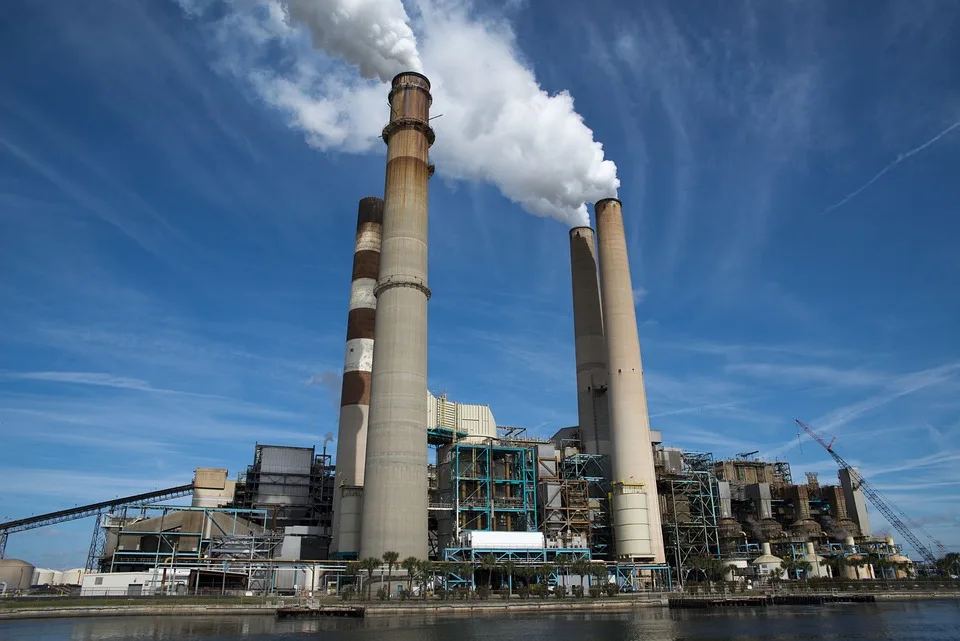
{"points": [[355, 393], [395, 485], [635, 506], [592, 410]]}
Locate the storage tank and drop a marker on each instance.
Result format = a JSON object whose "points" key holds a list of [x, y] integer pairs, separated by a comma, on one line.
{"points": [[42, 576], [17, 575], [73, 577], [818, 564], [767, 564]]}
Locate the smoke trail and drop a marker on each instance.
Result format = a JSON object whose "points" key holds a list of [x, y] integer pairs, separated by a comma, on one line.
{"points": [[498, 125], [880, 174], [373, 35]]}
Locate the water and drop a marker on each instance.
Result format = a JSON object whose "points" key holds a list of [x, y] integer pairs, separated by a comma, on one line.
{"points": [[907, 621]]}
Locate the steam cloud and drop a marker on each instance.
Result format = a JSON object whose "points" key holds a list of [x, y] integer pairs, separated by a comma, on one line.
{"points": [[498, 125], [373, 35]]}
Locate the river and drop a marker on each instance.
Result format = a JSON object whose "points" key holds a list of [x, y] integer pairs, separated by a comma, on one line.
{"points": [[900, 621]]}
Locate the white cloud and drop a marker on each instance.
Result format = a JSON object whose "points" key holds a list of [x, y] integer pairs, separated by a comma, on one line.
{"points": [[498, 125], [639, 293]]}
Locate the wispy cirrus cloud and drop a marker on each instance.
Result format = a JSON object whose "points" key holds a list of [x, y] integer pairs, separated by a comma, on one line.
{"points": [[880, 174], [896, 388]]}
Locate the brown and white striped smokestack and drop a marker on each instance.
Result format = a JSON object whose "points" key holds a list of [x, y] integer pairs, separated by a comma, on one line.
{"points": [[357, 368], [591, 351]]}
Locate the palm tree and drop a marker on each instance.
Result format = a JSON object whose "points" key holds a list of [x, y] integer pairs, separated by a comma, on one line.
{"points": [[789, 565], [390, 558], [369, 564], [352, 570], [510, 568], [488, 562], [836, 564], [711, 568], [465, 571], [410, 564], [426, 570], [600, 573], [545, 571], [581, 567], [563, 561]]}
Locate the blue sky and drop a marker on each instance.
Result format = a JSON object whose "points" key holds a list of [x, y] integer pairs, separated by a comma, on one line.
{"points": [[175, 258]]}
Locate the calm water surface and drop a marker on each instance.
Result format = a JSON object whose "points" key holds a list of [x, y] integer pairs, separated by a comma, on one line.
{"points": [[928, 621]]}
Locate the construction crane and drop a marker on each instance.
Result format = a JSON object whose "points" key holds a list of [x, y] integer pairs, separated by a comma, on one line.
{"points": [[894, 515]]}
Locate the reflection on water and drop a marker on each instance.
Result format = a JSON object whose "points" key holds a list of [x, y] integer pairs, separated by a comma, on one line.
{"points": [[929, 621]]}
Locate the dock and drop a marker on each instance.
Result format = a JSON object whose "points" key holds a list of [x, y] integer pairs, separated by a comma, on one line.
{"points": [[767, 600], [317, 611]]}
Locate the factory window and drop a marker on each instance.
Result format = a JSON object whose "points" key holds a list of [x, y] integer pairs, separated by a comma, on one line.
{"points": [[98, 580]]}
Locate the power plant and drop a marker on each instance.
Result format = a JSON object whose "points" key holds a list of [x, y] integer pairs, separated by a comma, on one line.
{"points": [[418, 475]]}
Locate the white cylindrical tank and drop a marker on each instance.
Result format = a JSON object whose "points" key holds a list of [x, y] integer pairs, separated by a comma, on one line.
{"points": [[17, 575], [72, 577], [767, 564], [818, 564], [42, 576]]}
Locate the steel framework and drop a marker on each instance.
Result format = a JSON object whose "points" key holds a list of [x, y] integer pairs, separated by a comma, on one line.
{"points": [[489, 487], [589, 468], [83, 511], [307, 492], [689, 508], [164, 535]]}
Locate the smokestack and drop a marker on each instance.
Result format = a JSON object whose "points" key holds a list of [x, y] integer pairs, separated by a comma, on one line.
{"points": [[357, 366], [636, 509], [395, 487], [592, 410]]}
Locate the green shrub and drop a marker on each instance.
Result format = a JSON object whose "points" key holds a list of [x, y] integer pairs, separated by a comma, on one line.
{"points": [[612, 589], [524, 592], [560, 591], [578, 591], [483, 592]]}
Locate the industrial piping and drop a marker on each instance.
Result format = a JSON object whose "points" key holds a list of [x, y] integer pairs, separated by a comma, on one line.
{"points": [[394, 513], [355, 392], [635, 506], [591, 352]]}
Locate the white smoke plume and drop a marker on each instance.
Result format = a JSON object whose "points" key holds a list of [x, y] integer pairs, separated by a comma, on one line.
{"points": [[373, 35], [498, 125]]}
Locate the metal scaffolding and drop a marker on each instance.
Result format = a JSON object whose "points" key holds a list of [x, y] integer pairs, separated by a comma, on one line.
{"points": [[138, 538], [293, 485], [588, 469], [689, 500], [487, 487], [83, 511]]}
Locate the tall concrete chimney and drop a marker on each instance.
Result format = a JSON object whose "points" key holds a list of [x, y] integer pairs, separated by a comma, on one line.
{"points": [[395, 487], [635, 507], [591, 352], [355, 393]]}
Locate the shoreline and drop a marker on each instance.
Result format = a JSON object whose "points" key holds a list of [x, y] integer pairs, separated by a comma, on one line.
{"points": [[378, 610]]}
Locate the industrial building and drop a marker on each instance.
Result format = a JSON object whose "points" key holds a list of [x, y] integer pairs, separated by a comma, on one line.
{"points": [[427, 477]]}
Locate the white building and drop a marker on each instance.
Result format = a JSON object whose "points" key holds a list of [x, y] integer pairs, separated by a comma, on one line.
{"points": [[149, 582]]}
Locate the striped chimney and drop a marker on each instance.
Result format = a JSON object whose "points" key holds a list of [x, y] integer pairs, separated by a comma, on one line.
{"points": [[355, 393]]}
